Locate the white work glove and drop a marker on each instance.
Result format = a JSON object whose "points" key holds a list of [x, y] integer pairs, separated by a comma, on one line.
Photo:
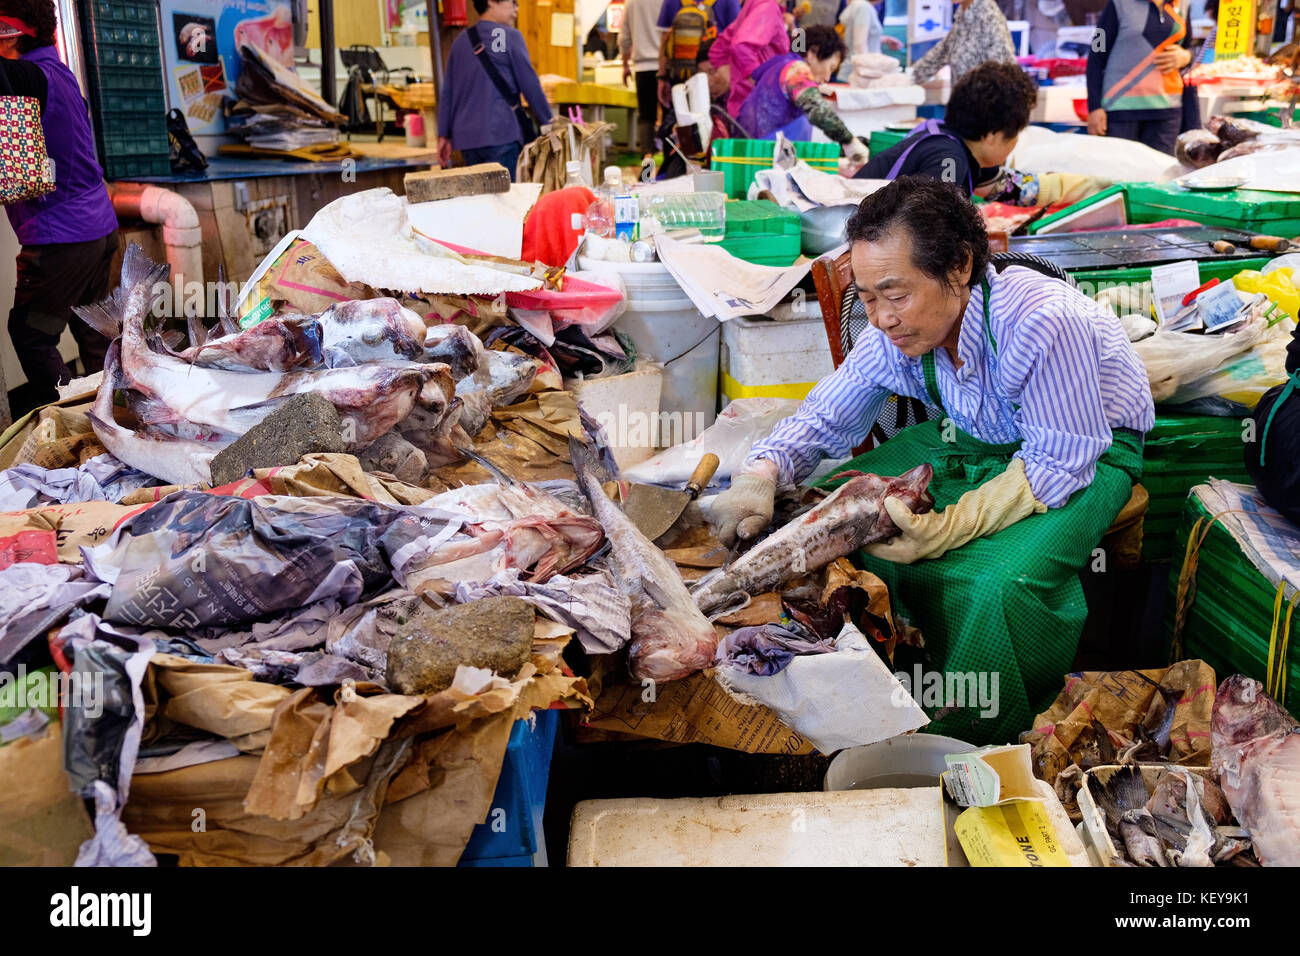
{"points": [[998, 503], [856, 151], [744, 509]]}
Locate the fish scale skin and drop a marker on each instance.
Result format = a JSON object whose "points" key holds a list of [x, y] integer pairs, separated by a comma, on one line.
{"points": [[851, 517]]}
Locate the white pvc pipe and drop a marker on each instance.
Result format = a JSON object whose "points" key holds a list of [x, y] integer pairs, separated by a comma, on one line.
{"points": [[181, 232]]}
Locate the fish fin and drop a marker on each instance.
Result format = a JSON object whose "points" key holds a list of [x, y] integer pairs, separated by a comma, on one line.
{"points": [[102, 317], [172, 338], [486, 463], [153, 411], [198, 334], [106, 317], [227, 322]]}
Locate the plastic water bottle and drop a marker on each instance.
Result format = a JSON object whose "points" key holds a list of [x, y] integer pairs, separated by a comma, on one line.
{"points": [[673, 211]]}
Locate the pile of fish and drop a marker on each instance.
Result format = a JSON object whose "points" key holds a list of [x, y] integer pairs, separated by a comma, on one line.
{"points": [[1182, 820], [167, 410], [1244, 811]]}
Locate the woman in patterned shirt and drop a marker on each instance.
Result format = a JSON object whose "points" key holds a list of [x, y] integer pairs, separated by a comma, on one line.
{"points": [[979, 34], [787, 98]]}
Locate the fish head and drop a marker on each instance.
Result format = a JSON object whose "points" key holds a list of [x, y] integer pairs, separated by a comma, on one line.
{"points": [[1243, 712], [667, 646]]}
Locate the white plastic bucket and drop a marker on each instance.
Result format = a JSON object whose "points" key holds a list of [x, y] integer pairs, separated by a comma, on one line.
{"points": [[909, 760], [668, 330]]}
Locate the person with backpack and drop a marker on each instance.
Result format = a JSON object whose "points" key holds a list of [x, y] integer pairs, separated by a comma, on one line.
{"points": [[689, 29], [488, 68], [757, 35]]}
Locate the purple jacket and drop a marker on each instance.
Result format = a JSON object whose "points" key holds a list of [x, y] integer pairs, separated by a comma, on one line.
{"points": [[79, 209]]}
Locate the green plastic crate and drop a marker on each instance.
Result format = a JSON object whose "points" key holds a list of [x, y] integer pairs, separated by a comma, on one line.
{"points": [[1182, 451], [882, 139], [1093, 281], [740, 159], [762, 232], [1231, 616], [1249, 209], [125, 85]]}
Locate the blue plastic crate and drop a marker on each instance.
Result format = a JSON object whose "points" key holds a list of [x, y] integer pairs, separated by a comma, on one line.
{"points": [[512, 834]]}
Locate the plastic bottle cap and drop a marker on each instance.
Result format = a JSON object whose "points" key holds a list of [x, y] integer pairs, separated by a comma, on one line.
{"points": [[613, 176], [573, 168]]}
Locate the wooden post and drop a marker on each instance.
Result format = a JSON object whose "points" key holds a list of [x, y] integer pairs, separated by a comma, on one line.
{"points": [[327, 88]]}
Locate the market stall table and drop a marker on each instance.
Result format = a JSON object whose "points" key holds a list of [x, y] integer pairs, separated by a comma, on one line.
{"points": [[246, 205], [596, 97]]}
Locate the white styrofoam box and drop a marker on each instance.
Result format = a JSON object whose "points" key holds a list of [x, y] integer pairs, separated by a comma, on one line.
{"points": [[889, 827], [773, 359], [624, 405], [866, 121]]}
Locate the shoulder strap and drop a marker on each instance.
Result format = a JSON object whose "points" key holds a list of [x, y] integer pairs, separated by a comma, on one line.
{"points": [[923, 132], [480, 51], [932, 381]]}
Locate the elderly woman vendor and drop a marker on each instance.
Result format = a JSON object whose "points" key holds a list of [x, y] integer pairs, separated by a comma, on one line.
{"points": [[1044, 406]]}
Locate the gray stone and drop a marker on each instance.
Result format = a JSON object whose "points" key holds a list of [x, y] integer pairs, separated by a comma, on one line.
{"points": [[303, 425], [495, 632]]}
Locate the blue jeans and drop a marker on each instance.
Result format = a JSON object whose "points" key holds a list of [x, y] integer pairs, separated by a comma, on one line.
{"points": [[507, 156]]}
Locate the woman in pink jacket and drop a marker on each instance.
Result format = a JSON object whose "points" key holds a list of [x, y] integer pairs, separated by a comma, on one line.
{"points": [[757, 35]]}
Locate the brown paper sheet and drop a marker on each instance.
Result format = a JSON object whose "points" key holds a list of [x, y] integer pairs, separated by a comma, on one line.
{"points": [[1119, 701], [53, 533], [42, 822], [221, 699]]}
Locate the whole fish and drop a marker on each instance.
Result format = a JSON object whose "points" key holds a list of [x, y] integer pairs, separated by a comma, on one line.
{"points": [[671, 638], [276, 344], [1255, 750], [1123, 798], [851, 517], [372, 397], [454, 346], [370, 330], [175, 458]]}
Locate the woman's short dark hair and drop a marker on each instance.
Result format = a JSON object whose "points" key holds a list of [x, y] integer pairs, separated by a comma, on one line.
{"points": [[823, 41], [992, 98], [944, 225], [37, 14]]}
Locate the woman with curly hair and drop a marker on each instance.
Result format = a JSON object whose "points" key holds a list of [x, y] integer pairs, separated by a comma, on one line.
{"points": [[69, 236], [1042, 409]]}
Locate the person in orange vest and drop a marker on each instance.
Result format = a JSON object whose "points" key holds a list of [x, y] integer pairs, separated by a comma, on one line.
{"points": [[1134, 88]]}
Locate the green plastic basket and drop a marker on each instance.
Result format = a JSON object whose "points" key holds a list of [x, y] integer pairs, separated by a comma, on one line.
{"points": [[740, 159], [1230, 619], [1182, 451]]}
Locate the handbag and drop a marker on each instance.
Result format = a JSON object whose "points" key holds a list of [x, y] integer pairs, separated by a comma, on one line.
{"points": [[523, 115], [26, 171]]}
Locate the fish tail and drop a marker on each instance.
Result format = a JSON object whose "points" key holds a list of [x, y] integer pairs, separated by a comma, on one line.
{"points": [[224, 318], [482, 460], [106, 317]]}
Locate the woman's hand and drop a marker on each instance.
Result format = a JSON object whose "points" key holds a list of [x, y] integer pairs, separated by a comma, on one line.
{"points": [[891, 43], [1172, 60], [1097, 123], [444, 152]]}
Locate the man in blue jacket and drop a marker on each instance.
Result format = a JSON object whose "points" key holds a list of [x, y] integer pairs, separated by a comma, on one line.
{"points": [[488, 68]]}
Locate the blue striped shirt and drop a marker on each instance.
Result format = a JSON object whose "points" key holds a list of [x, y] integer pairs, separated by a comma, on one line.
{"points": [[1062, 358]]}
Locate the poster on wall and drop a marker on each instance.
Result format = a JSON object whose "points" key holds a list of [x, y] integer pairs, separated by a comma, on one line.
{"points": [[201, 40], [928, 20]]}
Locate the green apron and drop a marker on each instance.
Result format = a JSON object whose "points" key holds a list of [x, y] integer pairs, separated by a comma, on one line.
{"points": [[1010, 604]]}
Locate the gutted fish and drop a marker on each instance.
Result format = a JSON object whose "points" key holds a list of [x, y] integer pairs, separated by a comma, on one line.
{"points": [[370, 398], [671, 638], [277, 344], [1255, 749], [851, 517], [178, 457], [504, 377]]}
